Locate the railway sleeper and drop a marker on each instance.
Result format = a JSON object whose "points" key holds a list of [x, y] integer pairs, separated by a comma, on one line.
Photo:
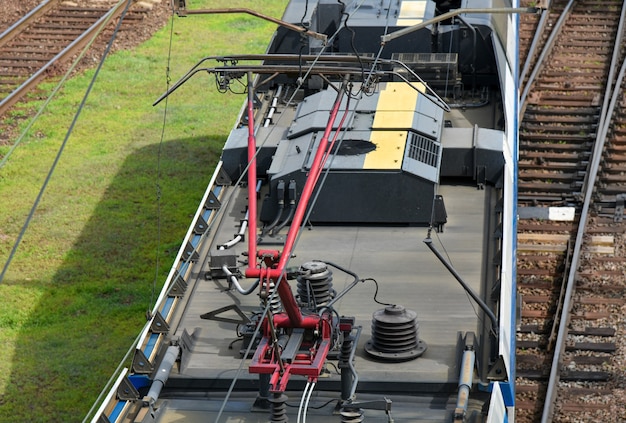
{"points": [[555, 148], [532, 374], [550, 188], [615, 167], [541, 156], [559, 129], [588, 315], [585, 376], [586, 392], [607, 287], [537, 299], [545, 226], [616, 146], [557, 176], [563, 102], [537, 117], [586, 407], [616, 156], [591, 331], [604, 347], [568, 86], [41, 57], [558, 137], [612, 189], [578, 111], [579, 166]]}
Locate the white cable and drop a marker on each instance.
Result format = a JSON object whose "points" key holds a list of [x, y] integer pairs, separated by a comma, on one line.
{"points": [[302, 401], [306, 405], [235, 282]]}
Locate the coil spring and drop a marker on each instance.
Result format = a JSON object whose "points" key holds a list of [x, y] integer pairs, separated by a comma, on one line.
{"points": [[279, 408], [276, 306]]}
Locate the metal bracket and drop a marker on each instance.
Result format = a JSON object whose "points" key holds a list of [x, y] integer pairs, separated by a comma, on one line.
{"points": [[190, 253], [159, 325], [213, 315], [141, 364], [201, 226], [223, 178], [178, 287], [126, 391], [497, 372], [618, 216], [212, 202]]}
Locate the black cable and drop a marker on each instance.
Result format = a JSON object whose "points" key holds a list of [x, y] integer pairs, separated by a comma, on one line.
{"points": [[376, 292], [306, 10], [352, 45], [314, 408], [64, 143]]}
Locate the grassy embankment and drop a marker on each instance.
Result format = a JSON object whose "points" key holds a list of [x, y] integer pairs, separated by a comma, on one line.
{"points": [[75, 295]]}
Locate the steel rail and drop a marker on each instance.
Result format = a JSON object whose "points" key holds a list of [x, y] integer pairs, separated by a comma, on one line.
{"points": [[559, 346], [19, 26], [541, 27], [75, 46], [611, 90], [547, 49]]}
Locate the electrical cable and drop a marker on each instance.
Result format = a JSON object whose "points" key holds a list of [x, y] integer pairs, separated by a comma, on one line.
{"points": [[168, 80], [65, 141], [233, 279], [352, 46], [306, 404], [302, 398], [376, 291]]}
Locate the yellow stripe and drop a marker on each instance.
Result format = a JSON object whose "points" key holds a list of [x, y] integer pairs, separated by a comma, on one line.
{"points": [[389, 150], [394, 116], [411, 12], [397, 96]]}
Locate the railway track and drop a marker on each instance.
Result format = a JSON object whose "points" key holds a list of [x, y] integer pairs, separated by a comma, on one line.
{"points": [[570, 271], [47, 37], [562, 117]]}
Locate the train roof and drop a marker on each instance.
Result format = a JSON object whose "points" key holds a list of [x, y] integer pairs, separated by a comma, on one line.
{"points": [[346, 260]]}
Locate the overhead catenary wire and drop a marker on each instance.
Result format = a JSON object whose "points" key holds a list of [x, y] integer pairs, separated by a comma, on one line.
{"points": [[65, 141], [157, 183]]}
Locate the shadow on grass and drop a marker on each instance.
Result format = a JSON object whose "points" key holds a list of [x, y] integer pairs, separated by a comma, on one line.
{"points": [[95, 305]]}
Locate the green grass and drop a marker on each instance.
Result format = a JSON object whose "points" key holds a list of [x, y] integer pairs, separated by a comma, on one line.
{"points": [[76, 293]]}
